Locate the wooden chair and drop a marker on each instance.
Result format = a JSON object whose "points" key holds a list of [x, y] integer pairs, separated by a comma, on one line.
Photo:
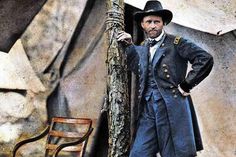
{"points": [[64, 134]]}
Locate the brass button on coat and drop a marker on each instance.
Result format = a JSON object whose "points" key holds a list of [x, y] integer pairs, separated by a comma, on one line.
{"points": [[164, 65]]}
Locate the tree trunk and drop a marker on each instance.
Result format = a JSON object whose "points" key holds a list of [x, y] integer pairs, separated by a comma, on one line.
{"points": [[119, 110]]}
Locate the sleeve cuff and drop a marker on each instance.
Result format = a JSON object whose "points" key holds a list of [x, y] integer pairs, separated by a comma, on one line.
{"points": [[185, 86]]}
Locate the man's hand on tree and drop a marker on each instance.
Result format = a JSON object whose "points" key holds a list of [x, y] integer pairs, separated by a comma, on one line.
{"points": [[125, 38]]}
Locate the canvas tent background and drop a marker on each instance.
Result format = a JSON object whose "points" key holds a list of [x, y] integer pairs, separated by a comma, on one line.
{"points": [[63, 69]]}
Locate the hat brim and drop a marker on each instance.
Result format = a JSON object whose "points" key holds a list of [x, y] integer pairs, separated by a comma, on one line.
{"points": [[164, 13]]}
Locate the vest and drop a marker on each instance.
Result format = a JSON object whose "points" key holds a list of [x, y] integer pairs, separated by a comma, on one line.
{"points": [[151, 88]]}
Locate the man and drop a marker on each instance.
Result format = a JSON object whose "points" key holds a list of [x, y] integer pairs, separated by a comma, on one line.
{"points": [[167, 122]]}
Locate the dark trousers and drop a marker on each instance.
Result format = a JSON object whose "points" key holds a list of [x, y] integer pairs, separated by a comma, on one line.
{"points": [[153, 134]]}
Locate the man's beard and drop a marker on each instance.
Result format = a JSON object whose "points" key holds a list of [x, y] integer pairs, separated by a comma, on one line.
{"points": [[153, 33]]}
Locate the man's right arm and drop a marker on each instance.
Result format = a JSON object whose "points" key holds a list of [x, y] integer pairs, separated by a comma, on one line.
{"points": [[132, 58]]}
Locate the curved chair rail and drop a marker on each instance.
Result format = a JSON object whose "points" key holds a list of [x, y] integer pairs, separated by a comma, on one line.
{"points": [[82, 139], [32, 139]]}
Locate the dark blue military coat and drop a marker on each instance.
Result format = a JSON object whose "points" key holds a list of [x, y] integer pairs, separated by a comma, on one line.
{"points": [[169, 68]]}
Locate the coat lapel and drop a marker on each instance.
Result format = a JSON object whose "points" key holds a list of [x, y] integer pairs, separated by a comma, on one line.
{"points": [[145, 53], [159, 52], [145, 57]]}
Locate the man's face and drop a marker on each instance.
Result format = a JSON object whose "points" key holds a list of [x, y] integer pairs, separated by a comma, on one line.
{"points": [[152, 25]]}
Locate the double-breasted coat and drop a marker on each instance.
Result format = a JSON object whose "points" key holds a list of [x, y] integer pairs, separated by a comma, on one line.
{"points": [[170, 65]]}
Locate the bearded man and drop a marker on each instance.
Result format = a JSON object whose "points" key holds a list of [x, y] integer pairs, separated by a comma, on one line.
{"points": [[167, 122]]}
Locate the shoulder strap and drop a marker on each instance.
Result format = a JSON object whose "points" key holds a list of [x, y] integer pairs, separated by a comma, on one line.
{"points": [[142, 43], [176, 41]]}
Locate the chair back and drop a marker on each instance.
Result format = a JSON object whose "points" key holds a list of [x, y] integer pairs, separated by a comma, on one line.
{"points": [[68, 135]]}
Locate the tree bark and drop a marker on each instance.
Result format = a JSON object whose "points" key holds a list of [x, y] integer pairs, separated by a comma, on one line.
{"points": [[118, 100]]}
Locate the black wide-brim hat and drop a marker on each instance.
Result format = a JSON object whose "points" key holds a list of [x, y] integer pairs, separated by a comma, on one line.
{"points": [[154, 8]]}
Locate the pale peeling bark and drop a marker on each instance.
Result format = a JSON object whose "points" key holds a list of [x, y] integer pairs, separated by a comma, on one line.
{"points": [[119, 110]]}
